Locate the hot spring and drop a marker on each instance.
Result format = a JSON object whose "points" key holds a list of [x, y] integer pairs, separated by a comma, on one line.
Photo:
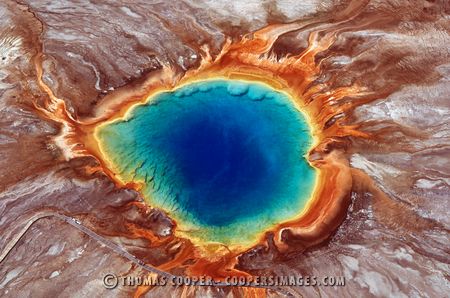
{"points": [[224, 158]]}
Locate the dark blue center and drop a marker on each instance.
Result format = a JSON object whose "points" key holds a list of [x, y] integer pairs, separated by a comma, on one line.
{"points": [[225, 168]]}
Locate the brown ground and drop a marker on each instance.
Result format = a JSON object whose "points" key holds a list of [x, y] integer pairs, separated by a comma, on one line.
{"points": [[394, 239]]}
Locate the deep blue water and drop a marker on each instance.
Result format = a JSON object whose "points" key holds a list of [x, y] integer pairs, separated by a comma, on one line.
{"points": [[224, 157]]}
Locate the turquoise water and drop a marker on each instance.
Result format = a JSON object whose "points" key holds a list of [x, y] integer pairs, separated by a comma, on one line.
{"points": [[224, 158]]}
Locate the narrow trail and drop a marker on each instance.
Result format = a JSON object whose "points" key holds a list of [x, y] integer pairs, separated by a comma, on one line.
{"points": [[110, 245]]}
